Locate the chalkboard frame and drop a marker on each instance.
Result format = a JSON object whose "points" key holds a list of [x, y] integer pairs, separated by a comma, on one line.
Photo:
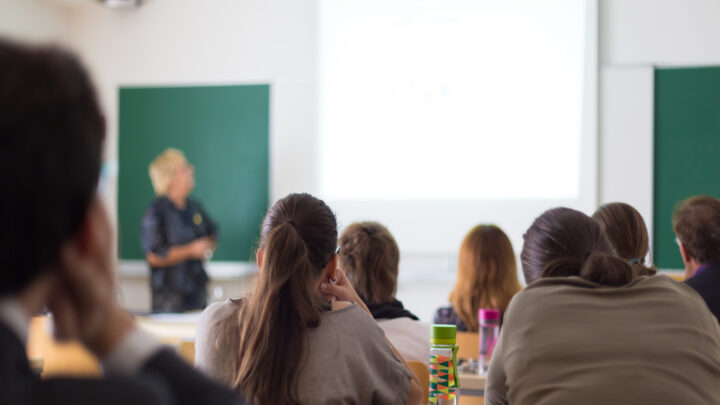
{"points": [[224, 130]]}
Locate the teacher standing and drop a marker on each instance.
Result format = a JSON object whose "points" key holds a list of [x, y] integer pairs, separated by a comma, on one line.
{"points": [[177, 236]]}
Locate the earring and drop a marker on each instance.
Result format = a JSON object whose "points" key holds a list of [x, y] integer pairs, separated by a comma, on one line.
{"points": [[332, 280]]}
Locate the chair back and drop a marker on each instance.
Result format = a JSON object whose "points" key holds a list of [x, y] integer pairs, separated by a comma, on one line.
{"points": [[468, 343], [422, 372]]}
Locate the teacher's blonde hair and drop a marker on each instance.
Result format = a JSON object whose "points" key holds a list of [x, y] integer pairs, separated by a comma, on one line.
{"points": [[162, 169]]}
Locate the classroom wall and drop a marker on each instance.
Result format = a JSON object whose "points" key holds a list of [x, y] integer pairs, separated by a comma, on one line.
{"points": [[182, 42], [33, 20], [185, 41], [635, 36], [253, 40]]}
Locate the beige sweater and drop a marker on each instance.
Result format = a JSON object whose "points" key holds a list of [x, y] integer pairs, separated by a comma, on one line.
{"points": [[567, 341]]}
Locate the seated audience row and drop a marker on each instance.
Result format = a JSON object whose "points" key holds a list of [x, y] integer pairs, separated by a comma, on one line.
{"points": [[594, 325], [589, 329], [303, 335]]}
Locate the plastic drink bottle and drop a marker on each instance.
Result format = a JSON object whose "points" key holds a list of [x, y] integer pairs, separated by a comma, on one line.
{"points": [[443, 365], [489, 320]]}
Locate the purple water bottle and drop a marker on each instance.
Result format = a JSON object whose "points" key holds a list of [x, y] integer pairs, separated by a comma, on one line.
{"points": [[489, 332]]}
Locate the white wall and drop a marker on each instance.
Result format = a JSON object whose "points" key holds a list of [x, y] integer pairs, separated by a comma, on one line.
{"points": [[190, 42], [636, 36], [33, 20], [186, 41]]}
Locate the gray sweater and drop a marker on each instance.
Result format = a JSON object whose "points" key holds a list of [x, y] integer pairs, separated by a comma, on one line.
{"points": [[348, 360]]}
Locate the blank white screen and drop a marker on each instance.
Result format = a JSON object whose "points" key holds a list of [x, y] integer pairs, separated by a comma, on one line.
{"points": [[451, 99]]}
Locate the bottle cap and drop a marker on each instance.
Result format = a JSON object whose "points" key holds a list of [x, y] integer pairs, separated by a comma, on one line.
{"points": [[443, 334], [488, 314]]}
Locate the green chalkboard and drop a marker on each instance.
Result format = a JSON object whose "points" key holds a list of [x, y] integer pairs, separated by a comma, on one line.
{"points": [[223, 131], [687, 148]]}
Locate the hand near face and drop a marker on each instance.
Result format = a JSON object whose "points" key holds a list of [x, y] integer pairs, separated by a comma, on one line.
{"points": [[83, 305], [341, 290]]}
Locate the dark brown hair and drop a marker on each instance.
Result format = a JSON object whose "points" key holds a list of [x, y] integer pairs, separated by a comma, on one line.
{"points": [[51, 136], [370, 256], [565, 242], [486, 276], [696, 222], [625, 229], [298, 240]]}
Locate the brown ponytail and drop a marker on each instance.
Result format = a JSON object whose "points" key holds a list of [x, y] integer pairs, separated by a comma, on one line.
{"points": [[370, 257], [564, 242], [298, 240], [608, 269], [626, 230]]}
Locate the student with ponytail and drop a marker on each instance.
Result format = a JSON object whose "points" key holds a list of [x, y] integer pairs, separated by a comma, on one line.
{"points": [[291, 342], [588, 330], [626, 231]]}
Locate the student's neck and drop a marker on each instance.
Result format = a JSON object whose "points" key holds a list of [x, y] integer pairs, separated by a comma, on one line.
{"points": [[691, 267], [179, 200]]}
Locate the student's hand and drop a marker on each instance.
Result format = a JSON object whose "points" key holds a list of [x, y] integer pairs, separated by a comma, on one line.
{"points": [[83, 305], [342, 290]]}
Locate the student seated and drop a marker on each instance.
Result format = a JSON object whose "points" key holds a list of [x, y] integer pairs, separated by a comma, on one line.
{"points": [[588, 330], [287, 342], [696, 222], [486, 278], [56, 245], [627, 233], [370, 257]]}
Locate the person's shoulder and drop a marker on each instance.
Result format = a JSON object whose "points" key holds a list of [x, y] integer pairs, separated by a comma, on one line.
{"points": [[666, 284], [156, 206], [194, 204], [217, 312], [446, 312], [448, 316], [351, 318], [709, 278], [403, 324]]}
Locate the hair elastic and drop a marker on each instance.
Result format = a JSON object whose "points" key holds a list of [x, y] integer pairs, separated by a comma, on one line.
{"points": [[637, 260]]}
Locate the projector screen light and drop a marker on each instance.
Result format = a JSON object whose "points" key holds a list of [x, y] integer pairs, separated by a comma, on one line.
{"points": [[452, 113], [121, 3]]}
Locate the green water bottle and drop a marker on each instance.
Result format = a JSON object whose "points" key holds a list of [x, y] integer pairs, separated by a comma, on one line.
{"points": [[443, 365]]}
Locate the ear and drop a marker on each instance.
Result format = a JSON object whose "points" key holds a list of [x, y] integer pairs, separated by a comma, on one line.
{"points": [[331, 268], [86, 237], [259, 258], [93, 240], [686, 256]]}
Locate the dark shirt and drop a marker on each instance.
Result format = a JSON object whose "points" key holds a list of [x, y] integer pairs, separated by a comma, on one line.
{"points": [[180, 287], [706, 282], [390, 310], [447, 316], [165, 379]]}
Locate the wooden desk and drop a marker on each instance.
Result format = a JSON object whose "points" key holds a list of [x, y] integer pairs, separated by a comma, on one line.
{"points": [[176, 330], [472, 389], [55, 358]]}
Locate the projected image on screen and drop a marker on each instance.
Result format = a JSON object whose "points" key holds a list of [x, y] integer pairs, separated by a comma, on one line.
{"points": [[451, 99]]}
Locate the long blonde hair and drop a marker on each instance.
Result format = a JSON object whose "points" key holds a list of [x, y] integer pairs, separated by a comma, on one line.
{"points": [[487, 274], [298, 240]]}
